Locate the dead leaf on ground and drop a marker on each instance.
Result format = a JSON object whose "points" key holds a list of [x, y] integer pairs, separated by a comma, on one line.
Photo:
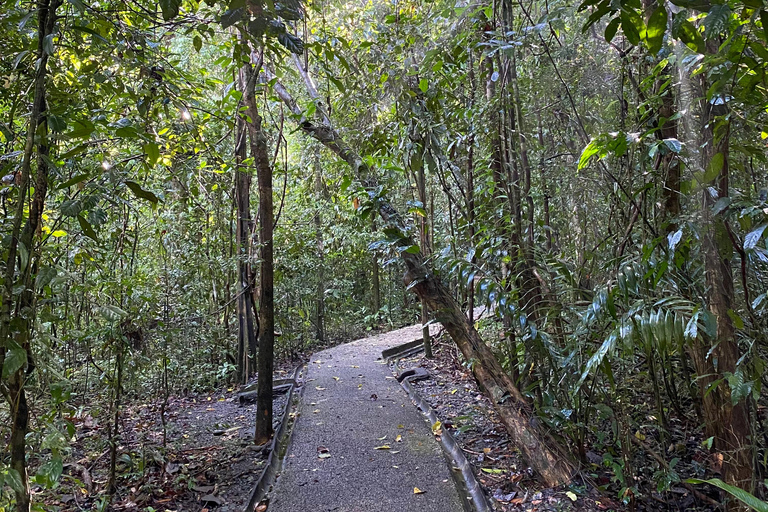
{"points": [[399, 438], [210, 498], [383, 447], [416, 490], [323, 452]]}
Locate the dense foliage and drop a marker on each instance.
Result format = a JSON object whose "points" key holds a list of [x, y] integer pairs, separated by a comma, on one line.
{"points": [[595, 173]]}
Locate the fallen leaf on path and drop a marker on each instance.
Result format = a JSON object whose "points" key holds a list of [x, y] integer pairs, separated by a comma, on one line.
{"points": [[203, 488], [336, 378], [572, 496], [210, 498], [383, 447], [319, 388], [316, 411], [323, 452], [416, 490], [399, 438], [382, 438], [437, 428]]}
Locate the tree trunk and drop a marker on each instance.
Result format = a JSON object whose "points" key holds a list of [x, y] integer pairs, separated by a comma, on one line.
{"points": [[17, 337], [260, 155], [320, 294], [716, 358], [247, 336]]}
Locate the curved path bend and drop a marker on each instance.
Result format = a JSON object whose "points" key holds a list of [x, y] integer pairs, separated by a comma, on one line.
{"points": [[350, 406]]}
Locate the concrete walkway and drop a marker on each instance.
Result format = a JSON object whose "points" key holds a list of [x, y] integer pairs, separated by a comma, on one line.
{"points": [[351, 405]]}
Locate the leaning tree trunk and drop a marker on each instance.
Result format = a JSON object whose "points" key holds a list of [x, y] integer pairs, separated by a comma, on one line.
{"points": [[543, 453], [260, 155]]}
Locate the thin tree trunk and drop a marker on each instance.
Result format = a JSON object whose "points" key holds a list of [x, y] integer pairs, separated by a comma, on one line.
{"points": [[320, 250], [260, 155], [13, 390], [247, 336]]}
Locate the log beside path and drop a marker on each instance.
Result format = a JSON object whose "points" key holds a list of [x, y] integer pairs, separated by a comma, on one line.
{"points": [[359, 443]]}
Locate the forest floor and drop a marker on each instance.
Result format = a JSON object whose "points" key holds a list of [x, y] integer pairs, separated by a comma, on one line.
{"points": [[208, 461]]}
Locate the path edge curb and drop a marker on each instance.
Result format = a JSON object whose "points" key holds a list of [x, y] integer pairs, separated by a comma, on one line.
{"points": [[479, 502], [281, 439]]}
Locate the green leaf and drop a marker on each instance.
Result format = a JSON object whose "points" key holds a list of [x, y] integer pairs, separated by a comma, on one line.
{"points": [[87, 228], [15, 359], [73, 181], [657, 26], [292, 43], [232, 16], [740, 494], [673, 145], [13, 479], [197, 42], [153, 152], [424, 85], [591, 150], [714, 167], [170, 8], [610, 30], [716, 20], [632, 24], [48, 44], [764, 23], [141, 193], [56, 123], [750, 241], [111, 313]]}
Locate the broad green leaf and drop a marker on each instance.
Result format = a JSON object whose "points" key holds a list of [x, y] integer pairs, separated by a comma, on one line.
{"points": [[714, 167], [152, 151], [673, 145], [740, 494], [48, 44], [73, 181], [750, 241], [424, 85], [657, 26], [632, 24], [716, 20], [170, 8], [15, 359], [197, 42], [111, 313], [13, 479], [87, 228], [141, 193], [610, 30]]}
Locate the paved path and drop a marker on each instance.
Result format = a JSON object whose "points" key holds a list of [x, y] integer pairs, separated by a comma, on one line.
{"points": [[350, 405]]}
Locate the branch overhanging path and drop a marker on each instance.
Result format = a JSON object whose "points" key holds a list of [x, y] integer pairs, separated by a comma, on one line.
{"points": [[546, 456]]}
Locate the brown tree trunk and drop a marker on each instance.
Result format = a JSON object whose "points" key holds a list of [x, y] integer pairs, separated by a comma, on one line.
{"points": [[260, 155], [320, 250], [18, 337], [715, 358], [247, 335]]}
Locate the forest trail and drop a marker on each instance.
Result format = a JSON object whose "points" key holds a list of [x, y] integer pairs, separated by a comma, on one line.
{"points": [[351, 409]]}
